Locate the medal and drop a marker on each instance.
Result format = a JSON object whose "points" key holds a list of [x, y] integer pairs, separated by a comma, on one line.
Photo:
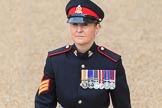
{"points": [[106, 79], [84, 84], [112, 79], [112, 85], [101, 81], [96, 84], [106, 85], [90, 78], [84, 79], [96, 79]]}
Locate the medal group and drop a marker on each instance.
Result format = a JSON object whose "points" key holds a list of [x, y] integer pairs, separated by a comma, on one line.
{"points": [[98, 79]]}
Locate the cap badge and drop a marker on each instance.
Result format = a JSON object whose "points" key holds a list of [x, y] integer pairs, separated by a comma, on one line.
{"points": [[78, 10]]}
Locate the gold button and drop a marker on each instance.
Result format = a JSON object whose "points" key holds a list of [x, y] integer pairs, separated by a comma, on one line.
{"points": [[102, 48], [79, 101], [67, 46], [83, 66]]}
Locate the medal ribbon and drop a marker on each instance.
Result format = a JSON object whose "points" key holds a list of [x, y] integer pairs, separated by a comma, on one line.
{"points": [[84, 75], [90, 74], [101, 76], [114, 75], [95, 74], [98, 72], [111, 74], [106, 75]]}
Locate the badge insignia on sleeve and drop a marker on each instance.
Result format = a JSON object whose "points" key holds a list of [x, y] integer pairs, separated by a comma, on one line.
{"points": [[44, 86], [98, 79]]}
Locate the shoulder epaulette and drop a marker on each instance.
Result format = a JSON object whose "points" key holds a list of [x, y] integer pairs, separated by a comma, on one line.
{"points": [[60, 50], [108, 53]]}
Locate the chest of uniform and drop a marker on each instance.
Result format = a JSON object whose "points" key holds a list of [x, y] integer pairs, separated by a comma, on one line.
{"points": [[93, 73]]}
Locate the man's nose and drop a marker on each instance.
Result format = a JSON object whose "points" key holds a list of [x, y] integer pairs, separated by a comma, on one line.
{"points": [[79, 28]]}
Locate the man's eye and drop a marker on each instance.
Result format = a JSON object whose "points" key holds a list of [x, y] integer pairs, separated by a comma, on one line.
{"points": [[74, 24], [85, 24]]}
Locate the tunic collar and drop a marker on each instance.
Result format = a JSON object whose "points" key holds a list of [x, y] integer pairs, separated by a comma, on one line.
{"points": [[85, 55]]}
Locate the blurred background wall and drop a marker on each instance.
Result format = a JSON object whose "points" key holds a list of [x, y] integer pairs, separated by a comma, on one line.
{"points": [[30, 28]]}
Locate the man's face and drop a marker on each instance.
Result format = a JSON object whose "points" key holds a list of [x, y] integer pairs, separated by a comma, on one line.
{"points": [[83, 34]]}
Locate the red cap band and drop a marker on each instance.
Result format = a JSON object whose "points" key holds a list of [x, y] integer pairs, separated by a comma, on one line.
{"points": [[82, 10]]}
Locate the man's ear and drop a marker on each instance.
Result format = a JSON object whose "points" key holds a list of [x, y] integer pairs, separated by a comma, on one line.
{"points": [[98, 26]]}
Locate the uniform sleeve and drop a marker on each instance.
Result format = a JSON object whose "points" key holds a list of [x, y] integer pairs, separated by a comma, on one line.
{"points": [[46, 94], [120, 95]]}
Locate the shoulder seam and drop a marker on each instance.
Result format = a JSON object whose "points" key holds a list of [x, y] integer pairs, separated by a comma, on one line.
{"points": [[111, 58], [61, 52]]}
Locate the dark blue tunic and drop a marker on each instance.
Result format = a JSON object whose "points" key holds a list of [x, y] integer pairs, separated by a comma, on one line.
{"points": [[62, 78]]}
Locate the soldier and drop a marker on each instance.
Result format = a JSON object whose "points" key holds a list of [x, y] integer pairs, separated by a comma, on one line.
{"points": [[83, 75]]}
